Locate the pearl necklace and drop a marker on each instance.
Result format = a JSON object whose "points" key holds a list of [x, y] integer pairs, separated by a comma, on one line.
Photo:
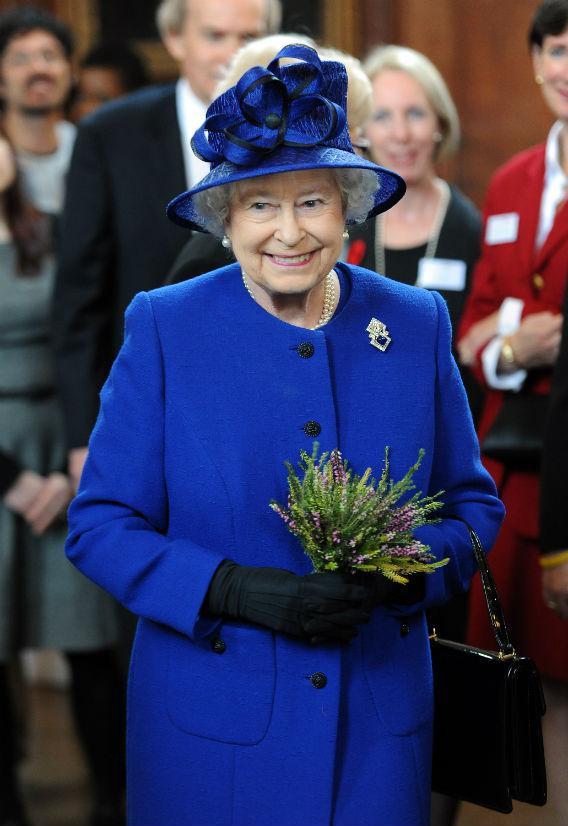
{"points": [[328, 308]]}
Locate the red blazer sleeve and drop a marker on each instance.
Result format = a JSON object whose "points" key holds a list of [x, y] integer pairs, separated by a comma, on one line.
{"points": [[509, 269]]}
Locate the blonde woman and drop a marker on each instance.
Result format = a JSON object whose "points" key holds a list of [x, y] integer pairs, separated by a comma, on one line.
{"points": [[431, 238]]}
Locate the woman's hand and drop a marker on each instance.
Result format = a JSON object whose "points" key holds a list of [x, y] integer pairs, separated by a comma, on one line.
{"points": [[317, 607], [537, 341], [25, 489], [476, 337], [555, 589], [50, 503]]}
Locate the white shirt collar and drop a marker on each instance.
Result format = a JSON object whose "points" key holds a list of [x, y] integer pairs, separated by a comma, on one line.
{"points": [[555, 184], [190, 114], [552, 153]]}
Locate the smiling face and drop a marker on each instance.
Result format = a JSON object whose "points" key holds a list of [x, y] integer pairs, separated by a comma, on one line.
{"points": [[212, 32], [403, 127], [287, 229], [35, 73], [551, 63]]}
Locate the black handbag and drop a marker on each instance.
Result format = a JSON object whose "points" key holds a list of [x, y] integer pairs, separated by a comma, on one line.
{"points": [[517, 433], [488, 746]]}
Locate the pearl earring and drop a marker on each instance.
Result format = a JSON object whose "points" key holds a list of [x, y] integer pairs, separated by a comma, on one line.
{"points": [[437, 137], [226, 242], [345, 234], [539, 79]]}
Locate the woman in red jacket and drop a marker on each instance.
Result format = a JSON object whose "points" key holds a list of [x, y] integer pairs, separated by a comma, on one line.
{"points": [[510, 334]]}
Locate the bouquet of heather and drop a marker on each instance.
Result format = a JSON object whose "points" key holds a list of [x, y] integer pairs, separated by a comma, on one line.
{"points": [[350, 523]]}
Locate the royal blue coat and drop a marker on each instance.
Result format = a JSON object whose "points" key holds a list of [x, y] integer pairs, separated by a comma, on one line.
{"points": [[206, 400]]}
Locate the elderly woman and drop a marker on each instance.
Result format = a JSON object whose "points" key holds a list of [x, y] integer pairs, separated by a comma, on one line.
{"points": [[261, 693], [204, 252]]}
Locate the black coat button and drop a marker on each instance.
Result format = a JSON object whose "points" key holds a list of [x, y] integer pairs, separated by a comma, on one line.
{"points": [[312, 428], [318, 680], [306, 349], [219, 646], [404, 629]]}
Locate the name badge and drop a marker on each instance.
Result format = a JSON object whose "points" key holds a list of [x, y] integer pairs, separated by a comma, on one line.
{"points": [[441, 274], [502, 229]]}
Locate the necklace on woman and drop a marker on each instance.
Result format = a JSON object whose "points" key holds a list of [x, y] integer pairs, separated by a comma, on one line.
{"points": [[432, 245], [328, 308]]}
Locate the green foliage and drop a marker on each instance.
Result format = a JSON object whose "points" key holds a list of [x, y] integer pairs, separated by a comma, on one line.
{"points": [[354, 523]]}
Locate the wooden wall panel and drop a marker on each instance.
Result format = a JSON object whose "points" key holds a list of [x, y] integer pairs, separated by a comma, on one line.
{"points": [[341, 25], [481, 49], [501, 106]]}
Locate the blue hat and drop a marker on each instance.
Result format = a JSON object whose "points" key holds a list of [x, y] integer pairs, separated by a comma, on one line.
{"points": [[280, 119]]}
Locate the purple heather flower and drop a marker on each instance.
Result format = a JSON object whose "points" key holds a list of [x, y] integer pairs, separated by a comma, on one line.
{"points": [[402, 519], [339, 475], [336, 537], [402, 550]]}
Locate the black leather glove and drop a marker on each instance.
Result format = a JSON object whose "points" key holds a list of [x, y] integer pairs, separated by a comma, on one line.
{"points": [[324, 606]]}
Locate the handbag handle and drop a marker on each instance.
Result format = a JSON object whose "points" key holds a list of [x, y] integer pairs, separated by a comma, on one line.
{"points": [[494, 608]]}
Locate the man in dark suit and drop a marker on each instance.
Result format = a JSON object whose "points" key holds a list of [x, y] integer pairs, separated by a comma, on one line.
{"points": [[131, 157], [554, 487]]}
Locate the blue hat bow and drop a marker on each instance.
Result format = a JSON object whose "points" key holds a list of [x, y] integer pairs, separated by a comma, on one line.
{"points": [[285, 118], [278, 106]]}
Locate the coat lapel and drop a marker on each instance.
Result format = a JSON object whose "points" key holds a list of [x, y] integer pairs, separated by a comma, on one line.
{"points": [[164, 131], [529, 211], [557, 236]]}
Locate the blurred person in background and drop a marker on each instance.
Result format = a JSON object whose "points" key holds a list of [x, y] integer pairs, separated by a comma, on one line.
{"points": [[510, 333], [431, 238], [130, 159], [43, 604], [108, 71]]}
